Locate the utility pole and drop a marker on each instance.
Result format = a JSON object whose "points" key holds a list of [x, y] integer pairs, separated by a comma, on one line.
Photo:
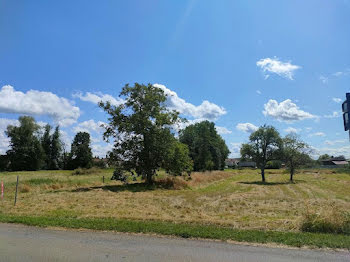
{"points": [[346, 113]]}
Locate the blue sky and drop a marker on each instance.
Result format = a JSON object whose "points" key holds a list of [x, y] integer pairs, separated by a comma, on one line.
{"points": [[240, 64]]}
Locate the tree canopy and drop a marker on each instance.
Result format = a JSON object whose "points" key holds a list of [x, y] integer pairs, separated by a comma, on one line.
{"points": [[207, 148], [141, 130], [265, 145], [80, 155], [26, 152]]}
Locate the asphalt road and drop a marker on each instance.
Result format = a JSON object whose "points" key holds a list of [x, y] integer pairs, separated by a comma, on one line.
{"points": [[21, 243]]}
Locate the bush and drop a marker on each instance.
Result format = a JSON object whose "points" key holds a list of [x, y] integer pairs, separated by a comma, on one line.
{"points": [[331, 221]]}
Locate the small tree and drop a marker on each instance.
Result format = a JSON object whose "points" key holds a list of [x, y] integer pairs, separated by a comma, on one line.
{"points": [[80, 155], [265, 145], [295, 153], [141, 130]]}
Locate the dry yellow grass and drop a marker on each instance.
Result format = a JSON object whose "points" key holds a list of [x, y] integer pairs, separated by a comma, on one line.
{"points": [[233, 198]]}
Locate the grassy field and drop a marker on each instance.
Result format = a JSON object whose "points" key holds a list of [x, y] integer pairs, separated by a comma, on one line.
{"points": [[231, 199]]}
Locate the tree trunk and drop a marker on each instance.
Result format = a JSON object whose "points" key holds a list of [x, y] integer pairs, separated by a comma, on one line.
{"points": [[291, 174], [263, 175], [149, 179]]}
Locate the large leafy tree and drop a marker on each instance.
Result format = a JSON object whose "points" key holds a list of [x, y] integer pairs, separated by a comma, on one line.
{"points": [[26, 152], [207, 148], [295, 153], [141, 130], [81, 154], [265, 145]]}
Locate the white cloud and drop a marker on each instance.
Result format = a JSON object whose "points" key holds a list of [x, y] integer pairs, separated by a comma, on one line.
{"points": [[89, 126], [285, 111], [222, 130], [258, 92], [98, 97], [324, 79], [246, 127], [36, 102], [292, 130], [205, 111], [273, 65], [337, 100], [333, 115], [333, 142], [317, 134]]}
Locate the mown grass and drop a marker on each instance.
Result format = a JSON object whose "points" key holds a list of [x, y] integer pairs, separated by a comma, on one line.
{"points": [[186, 230], [230, 199]]}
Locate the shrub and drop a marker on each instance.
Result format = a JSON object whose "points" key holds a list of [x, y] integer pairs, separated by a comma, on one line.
{"points": [[331, 221]]}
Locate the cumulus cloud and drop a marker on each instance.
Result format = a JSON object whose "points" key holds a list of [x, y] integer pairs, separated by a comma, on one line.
{"points": [[317, 134], [205, 111], [333, 115], [222, 130], [246, 127], [292, 130], [89, 126], [274, 65], [98, 97], [285, 111], [34, 102]]}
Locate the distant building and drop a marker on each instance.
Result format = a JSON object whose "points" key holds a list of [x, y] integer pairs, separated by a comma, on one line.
{"points": [[231, 162], [236, 162], [334, 162]]}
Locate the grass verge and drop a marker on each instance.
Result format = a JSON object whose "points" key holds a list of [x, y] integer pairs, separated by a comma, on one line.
{"points": [[296, 239]]}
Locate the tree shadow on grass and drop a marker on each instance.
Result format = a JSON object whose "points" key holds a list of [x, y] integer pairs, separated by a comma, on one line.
{"points": [[135, 187], [272, 183]]}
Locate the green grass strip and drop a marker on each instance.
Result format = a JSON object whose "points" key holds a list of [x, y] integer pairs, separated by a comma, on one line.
{"points": [[296, 239]]}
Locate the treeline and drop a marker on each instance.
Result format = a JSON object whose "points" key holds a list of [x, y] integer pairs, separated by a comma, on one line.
{"points": [[34, 148]]}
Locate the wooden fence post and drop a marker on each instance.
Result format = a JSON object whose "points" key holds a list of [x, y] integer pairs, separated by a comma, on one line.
{"points": [[16, 191]]}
